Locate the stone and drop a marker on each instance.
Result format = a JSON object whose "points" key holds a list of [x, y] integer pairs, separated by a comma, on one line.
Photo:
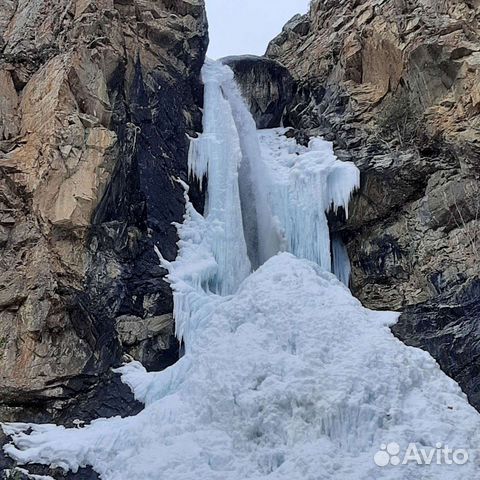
{"points": [[395, 86], [8, 107], [267, 86], [90, 136], [152, 339]]}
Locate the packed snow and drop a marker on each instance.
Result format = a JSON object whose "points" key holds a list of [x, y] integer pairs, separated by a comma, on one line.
{"points": [[285, 376], [291, 378]]}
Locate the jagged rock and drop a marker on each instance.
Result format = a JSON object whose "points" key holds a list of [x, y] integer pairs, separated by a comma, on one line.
{"points": [[151, 339], [446, 327], [96, 100], [267, 86], [395, 86], [8, 107]]}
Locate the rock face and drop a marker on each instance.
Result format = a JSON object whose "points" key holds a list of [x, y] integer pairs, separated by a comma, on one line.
{"points": [[265, 84], [96, 99], [395, 84]]}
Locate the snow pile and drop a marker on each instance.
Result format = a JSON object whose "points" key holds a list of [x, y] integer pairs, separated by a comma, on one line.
{"points": [[291, 378], [303, 184]]}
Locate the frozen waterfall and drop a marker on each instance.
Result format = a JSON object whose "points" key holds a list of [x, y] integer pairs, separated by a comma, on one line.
{"points": [[285, 189], [217, 153], [303, 184], [285, 376]]}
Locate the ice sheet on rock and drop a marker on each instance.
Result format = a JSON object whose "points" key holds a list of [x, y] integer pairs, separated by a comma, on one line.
{"points": [[190, 276], [217, 152], [303, 184], [290, 378]]}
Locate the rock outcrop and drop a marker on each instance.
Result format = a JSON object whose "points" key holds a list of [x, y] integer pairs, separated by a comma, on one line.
{"points": [[265, 84], [395, 84], [96, 101]]}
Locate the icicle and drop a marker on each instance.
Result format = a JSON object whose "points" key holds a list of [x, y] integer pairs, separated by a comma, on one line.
{"points": [[340, 263], [302, 186]]}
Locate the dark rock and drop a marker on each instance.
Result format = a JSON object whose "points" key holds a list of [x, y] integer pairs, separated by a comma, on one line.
{"points": [[266, 85], [86, 399], [448, 328]]}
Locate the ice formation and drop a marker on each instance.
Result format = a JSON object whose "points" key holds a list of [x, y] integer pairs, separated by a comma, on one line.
{"points": [[341, 267], [285, 189], [287, 377], [303, 184], [217, 153]]}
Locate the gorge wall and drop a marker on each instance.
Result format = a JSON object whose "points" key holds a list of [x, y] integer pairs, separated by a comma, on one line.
{"points": [[96, 101], [396, 86]]}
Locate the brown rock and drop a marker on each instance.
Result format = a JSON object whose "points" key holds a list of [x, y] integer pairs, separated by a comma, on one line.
{"points": [[395, 86], [89, 98], [8, 107]]}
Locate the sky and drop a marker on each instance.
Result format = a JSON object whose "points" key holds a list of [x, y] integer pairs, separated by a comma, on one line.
{"points": [[240, 27]]}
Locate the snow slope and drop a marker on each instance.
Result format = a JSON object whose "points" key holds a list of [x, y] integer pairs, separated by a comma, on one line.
{"points": [[285, 375], [291, 378]]}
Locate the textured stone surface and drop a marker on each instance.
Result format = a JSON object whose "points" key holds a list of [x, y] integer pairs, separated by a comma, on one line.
{"points": [[395, 85], [96, 101], [267, 86], [448, 327], [152, 339]]}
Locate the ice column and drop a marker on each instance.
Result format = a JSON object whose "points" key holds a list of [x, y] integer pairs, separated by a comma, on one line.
{"points": [[217, 153], [261, 232]]}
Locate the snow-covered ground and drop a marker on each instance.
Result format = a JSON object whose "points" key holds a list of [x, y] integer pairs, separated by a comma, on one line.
{"points": [[285, 375], [291, 378]]}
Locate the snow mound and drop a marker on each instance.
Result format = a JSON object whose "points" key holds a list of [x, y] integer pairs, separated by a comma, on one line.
{"points": [[290, 378]]}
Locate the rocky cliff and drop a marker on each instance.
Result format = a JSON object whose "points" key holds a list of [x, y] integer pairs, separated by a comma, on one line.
{"points": [[396, 85], [266, 85], [96, 101]]}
